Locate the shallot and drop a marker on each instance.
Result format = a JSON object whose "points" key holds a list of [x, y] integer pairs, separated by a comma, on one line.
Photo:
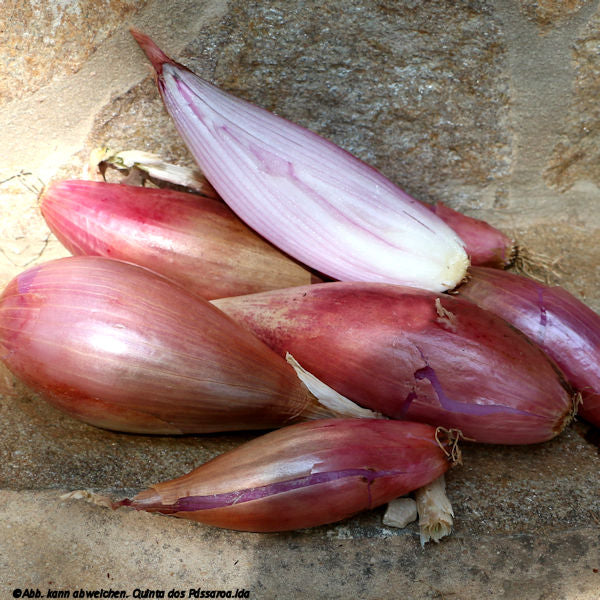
{"points": [[304, 475], [121, 347], [566, 328], [306, 195], [194, 240], [416, 355], [486, 245]]}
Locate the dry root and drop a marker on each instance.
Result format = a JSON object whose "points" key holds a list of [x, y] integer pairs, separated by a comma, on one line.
{"points": [[537, 266], [448, 440]]}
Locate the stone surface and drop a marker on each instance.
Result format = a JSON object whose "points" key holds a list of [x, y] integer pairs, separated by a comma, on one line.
{"points": [[93, 548], [45, 41], [549, 13], [487, 105], [575, 157]]}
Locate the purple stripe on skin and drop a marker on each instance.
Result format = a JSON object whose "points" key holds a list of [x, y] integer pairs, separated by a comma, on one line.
{"points": [[193, 503], [406, 404], [418, 221], [428, 372], [543, 315]]}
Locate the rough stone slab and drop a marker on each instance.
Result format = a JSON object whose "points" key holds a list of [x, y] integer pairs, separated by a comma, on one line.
{"points": [[78, 545], [576, 156], [550, 13], [45, 41], [405, 89]]}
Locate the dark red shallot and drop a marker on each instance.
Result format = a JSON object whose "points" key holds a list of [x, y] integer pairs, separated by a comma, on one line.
{"points": [[485, 245], [567, 329], [415, 355], [304, 475]]}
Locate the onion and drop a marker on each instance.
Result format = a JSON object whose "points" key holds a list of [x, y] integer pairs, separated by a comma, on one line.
{"points": [[121, 347], [194, 240], [302, 476], [307, 196], [567, 329], [485, 245], [416, 355]]}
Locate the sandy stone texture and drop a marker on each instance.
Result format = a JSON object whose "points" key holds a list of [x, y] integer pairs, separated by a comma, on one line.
{"points": [[44, 41], [550, 13], [575, 158], [405, 86]]}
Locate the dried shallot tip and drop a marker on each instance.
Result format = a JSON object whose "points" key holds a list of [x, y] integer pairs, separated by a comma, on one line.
{"points": [[536, 265], [562, 325], [313, 200], [303, 475], [415, 355], [196, 241], [153, 166], [485, 245], [120, 347], [434, 510]]}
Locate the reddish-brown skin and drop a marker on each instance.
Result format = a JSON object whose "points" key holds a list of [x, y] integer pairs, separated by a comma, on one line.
{"points": [[303, 475], [485, 245], [120, 347], [194, 240], [415, 355], [565, 328]]}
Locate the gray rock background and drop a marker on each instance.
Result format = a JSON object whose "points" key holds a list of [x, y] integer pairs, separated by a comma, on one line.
{"points": [[491, 107]]}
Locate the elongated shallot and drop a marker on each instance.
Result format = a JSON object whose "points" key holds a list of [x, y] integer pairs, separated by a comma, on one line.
{"points": [[486, 246], [306, 195], [194, 240], [121, 347], [566, 328], [416, 355], [304, 475]]}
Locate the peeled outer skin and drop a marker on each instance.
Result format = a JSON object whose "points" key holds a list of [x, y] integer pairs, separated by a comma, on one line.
{"points": [[194, 240], [120, 347], [567, 329], [415, 355], [307, 196], [398, 456]]}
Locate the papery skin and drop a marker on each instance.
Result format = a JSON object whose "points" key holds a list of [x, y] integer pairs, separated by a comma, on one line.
{"points": [[310, 198], [416, 355], [120, 347], [302, 476], [567, 329], [486, 245], [194, 240]]}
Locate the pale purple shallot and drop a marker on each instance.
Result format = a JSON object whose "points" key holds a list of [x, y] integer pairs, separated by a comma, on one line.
{"points": [[307, 196]]}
